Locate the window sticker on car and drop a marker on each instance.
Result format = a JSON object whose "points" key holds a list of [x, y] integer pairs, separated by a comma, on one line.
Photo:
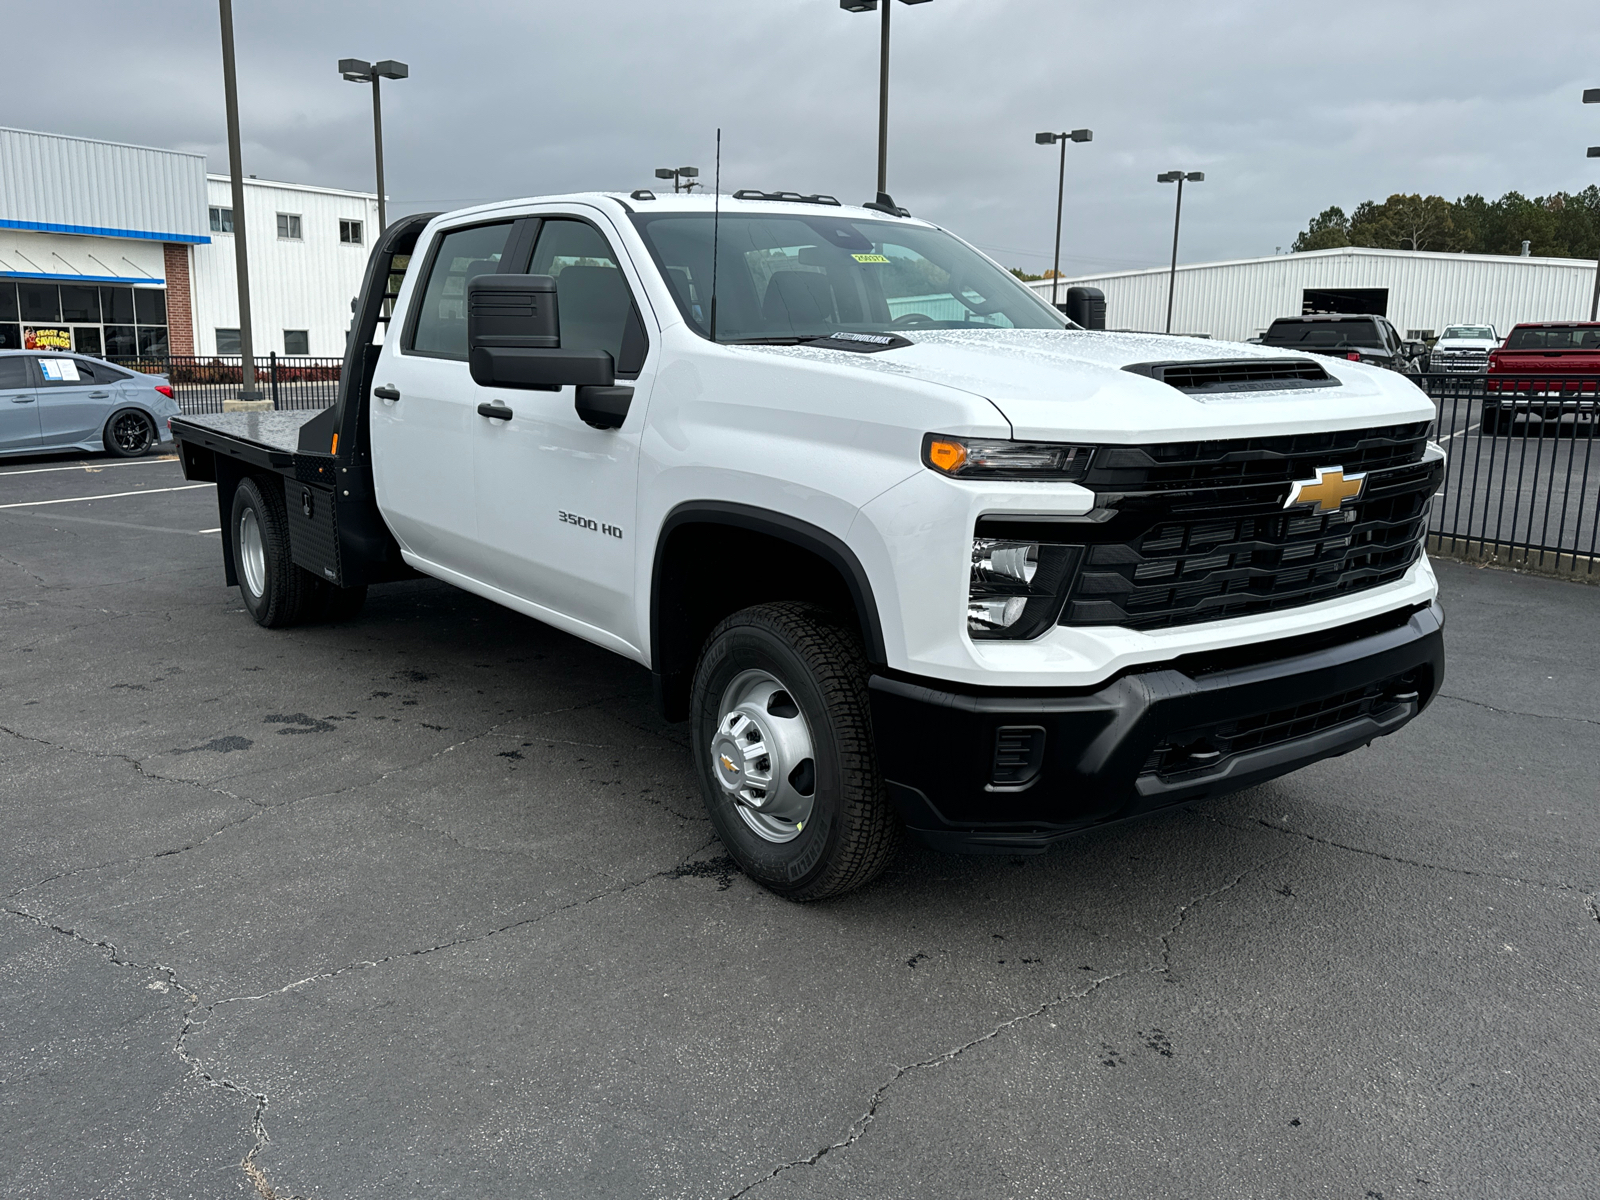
{"points": [[870, 258], [62, 370]]}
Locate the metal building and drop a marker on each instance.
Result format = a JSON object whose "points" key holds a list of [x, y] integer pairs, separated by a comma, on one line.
{"points": [[115, 249], [1420, 292]]}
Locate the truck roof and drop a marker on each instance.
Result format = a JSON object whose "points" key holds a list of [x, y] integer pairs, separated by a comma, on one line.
{"points": [[785, 203]]}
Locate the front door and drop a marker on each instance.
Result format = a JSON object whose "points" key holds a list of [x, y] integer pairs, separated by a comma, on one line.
{"points": [[555, 497], [424, 404], [19, 408]]}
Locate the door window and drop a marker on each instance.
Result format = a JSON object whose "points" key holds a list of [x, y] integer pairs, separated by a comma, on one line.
{"points": [[440, 325], [592, 297], [14, 373], [60, 372]]}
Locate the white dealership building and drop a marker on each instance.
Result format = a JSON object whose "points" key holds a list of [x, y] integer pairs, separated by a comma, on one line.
{"points": [[1420, 292], [115, 249]]}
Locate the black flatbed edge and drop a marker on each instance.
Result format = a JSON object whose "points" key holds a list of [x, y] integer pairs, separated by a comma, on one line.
{"points": [[263, 439]]}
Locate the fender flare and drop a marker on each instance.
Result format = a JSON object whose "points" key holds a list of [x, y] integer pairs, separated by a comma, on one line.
{"points": [[803, 534]]}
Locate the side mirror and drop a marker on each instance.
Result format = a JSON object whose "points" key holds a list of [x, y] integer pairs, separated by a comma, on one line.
{"points": [[1086, 306], [514, 337], [1416, 349]]}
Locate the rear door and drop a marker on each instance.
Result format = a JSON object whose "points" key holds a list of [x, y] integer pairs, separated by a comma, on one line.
{"points": [[19, 409], [555, 497], [74, 400], [423, 409]]}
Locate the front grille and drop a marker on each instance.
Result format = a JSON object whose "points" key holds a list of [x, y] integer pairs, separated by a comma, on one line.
{"points": [[1198, 531], [1237, 375], [1206, 748]]}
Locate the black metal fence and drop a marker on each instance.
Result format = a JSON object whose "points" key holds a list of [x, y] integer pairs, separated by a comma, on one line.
{"points": [[1523, 482], [200, 384]]}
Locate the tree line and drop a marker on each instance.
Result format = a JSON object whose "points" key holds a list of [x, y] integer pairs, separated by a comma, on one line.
{"points": [[1560, 225]]}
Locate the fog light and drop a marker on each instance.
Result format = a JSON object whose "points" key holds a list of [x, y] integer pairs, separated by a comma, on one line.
{"points": [[997, 613], [1015, 587]]}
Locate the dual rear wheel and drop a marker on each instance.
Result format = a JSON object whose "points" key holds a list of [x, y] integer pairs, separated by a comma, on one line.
{"points": [[276, 592]]}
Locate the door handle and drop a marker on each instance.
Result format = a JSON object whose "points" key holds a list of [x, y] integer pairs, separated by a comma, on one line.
{"points": [[386, 393], [22, 399], [495, 411], [98, 395]]}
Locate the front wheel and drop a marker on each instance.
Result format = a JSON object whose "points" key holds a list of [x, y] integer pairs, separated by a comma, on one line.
{"points": [[782, 741]]}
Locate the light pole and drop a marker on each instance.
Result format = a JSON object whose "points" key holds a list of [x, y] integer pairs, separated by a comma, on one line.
{"points": [[358, 71], [1048, 139], [861, 6], [1592, 96], [1178, 178], [249, 395], [689, 176]]}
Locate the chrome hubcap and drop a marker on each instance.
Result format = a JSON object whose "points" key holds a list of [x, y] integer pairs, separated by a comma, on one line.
{"points": [[762, 757], [252, 553]]}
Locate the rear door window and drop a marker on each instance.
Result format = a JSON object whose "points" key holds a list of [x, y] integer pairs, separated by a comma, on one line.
{"points": [[439, 327], [1554, 339], [14, 374], [1324, 335]]}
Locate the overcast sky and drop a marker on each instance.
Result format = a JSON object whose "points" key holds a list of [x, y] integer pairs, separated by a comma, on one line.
{"points": [[1286, 108]]}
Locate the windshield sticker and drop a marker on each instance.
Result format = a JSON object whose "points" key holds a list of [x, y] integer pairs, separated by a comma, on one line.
{"points": [[870, 258], [61, 370]]}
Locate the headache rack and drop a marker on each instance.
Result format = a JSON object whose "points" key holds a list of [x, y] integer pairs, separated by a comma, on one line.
{"points": [[1237, 375]]}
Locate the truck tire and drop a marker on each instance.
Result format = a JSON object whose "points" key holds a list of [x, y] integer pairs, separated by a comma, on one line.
{"points": [[273, 588], [782, 742]]}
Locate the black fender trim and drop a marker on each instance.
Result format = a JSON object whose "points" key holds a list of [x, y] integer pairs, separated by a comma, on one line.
{"points": [[669, 675]]}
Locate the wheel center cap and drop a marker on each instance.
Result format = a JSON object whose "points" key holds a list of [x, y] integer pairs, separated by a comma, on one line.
{"points": [[728, 760]]}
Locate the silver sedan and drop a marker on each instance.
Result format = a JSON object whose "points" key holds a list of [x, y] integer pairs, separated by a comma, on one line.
{"points": [[70, 402]]}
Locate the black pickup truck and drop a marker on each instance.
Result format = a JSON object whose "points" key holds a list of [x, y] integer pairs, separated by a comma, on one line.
{"points": [[1357, 337]]}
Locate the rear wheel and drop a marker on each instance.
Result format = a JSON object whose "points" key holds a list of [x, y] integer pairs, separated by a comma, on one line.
{"points": [[129, 433], [783, 746], [274, 590]]}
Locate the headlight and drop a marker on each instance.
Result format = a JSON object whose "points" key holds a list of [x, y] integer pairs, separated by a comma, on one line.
{"points": [[1016, 588], [992, 458]]}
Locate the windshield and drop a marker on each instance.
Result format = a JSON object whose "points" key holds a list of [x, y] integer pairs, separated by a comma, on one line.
{"points": [[1560, 338], [1482, 332], [794, 277], [1323, 333]]}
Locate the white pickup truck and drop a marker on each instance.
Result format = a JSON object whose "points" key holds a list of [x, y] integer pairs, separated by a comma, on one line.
{"points": [[908, 549]]}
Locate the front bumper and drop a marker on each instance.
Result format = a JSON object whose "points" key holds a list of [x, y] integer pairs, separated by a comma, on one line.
{"points": [[1011, 771]]}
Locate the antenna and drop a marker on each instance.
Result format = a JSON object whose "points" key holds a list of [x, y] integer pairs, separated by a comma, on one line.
{"points": [[716, 223]]}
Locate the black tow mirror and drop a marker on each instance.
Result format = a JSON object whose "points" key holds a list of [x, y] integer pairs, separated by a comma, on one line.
{"points": [[514, 337]]}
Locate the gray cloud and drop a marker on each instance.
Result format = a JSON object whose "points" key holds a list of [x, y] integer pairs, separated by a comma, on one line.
{"points": [[1287, 108]]}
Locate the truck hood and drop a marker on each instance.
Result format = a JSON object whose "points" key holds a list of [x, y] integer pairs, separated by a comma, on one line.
{"points": [[1063, 384], [1466, 344]]}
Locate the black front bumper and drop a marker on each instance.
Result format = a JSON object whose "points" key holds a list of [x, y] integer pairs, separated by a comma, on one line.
{"points": [[1009, 772]]}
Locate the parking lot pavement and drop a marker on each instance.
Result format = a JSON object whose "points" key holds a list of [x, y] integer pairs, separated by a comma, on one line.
{"points": [[427, 902]]}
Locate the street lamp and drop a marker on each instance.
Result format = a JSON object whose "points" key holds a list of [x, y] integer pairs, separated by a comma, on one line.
{"points": [[1049, 139], [862, 6], [689, 176], [357, 71], [1592, 96], [1177, 177]]}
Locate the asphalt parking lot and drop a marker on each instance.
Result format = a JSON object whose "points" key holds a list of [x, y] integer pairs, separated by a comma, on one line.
{"points": [[426, 904]]}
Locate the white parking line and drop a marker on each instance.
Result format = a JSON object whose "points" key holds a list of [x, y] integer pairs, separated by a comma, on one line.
{"points": [[109, 496], [1461, 433], [218, 529], [91, 467]]}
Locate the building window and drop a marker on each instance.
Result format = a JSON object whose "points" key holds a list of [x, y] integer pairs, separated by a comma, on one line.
{"points": [[296, 341], [289, 226], [228, 342], [350, 232], [222, 220]]}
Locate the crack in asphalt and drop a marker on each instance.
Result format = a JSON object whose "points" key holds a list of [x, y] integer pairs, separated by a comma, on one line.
{"points": [[196, 1014], [858, 1128], [1399, 860], [1514, 712], [37, 579], [197, 1068]]}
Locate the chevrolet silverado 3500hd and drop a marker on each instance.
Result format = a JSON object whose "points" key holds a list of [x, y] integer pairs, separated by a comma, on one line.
{"points": [[908, 549]]}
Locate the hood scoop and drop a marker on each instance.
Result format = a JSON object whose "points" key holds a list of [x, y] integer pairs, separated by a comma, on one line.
{"points": [[1228, 376]]}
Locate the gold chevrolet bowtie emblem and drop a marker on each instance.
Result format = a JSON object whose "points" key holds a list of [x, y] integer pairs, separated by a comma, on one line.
{"points": [[1330, 489], [727, 763]]}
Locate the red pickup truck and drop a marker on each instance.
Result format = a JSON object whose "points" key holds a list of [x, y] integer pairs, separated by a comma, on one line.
{"points": [[1546, 370]]}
